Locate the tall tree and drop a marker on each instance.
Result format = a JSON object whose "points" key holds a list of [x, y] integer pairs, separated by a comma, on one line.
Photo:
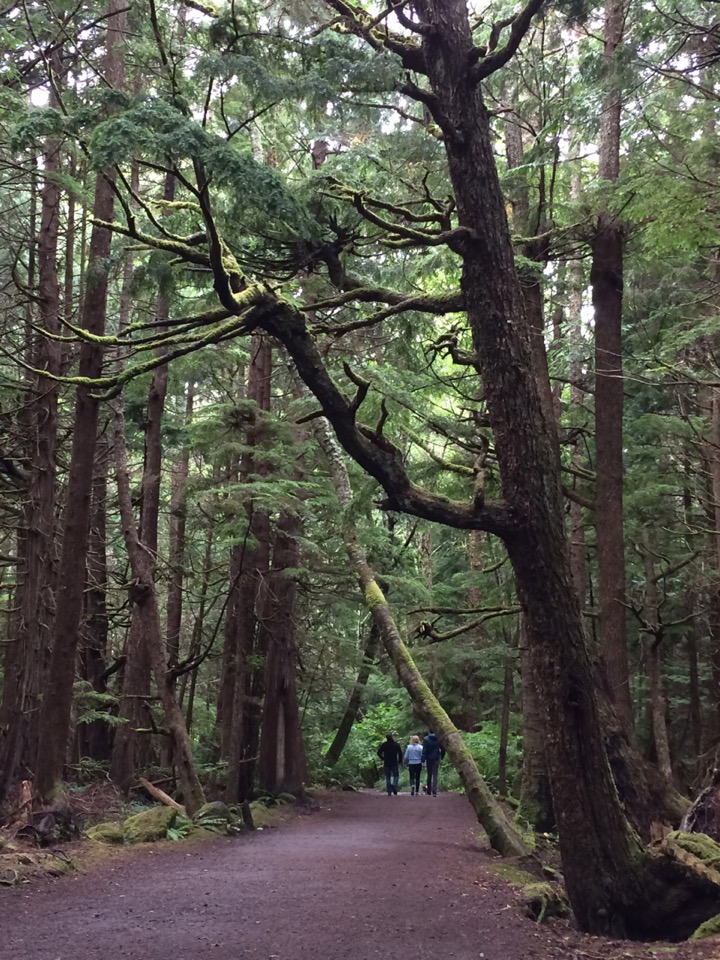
{"points": [[606, 278], [25, 681], [57, 704]]}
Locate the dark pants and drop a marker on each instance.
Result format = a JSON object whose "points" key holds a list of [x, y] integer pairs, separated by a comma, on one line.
{"points": [[415, 769], [432, 776], [391, 778]]}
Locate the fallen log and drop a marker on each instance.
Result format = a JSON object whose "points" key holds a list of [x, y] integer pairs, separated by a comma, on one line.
{"points": [[160, 795]]}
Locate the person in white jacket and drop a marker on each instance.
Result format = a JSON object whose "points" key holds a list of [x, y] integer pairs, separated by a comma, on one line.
{"points": [[413, 761]]}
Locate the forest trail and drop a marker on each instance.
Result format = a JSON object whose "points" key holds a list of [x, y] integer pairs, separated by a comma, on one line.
{"points": [[400, 878]]}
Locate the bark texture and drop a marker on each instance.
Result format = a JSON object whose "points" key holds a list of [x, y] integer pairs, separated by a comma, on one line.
{"points": [[144, 597], [282, 766], [606, 278], [26, 667], [57, 704]]}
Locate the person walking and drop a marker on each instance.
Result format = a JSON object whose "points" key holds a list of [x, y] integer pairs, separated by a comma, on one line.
{"points": [[432, 754], [390, 752], [413, 761]]}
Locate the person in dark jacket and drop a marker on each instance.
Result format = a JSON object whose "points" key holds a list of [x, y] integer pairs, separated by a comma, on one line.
{"points": [[390, 753], [432, 754]]}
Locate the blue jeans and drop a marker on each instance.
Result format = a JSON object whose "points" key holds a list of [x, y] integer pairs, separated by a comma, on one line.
{"points": [[391, 779]]}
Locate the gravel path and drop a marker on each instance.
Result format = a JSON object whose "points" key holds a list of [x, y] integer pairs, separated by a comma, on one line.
{"points": [[371, 876]]}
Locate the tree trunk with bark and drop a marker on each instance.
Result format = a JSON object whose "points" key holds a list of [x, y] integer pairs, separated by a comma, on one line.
{"points": [[242, 700], [178, 523], [536, 806], [606, 278], [95, 738], [57, 703], [653, 664], [149, 625], [26, 669], [282, 766]]}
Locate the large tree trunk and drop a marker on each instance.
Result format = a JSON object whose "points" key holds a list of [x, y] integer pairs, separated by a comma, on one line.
{"points": [[178, 522], [603, 860], [606, 278], [282, 765], [57, 702], [144, 596], [242, 701], [26, 678], [133, 748], [653, 664], [94, 739], [536, 806], [712, 456]]}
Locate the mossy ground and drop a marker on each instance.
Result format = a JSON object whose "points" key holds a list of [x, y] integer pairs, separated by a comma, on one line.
{"points": [[23, 866], [513, 875], [711, 928]]}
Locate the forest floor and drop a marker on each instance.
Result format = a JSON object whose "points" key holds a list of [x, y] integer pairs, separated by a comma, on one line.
{"points": [[367, 876]]}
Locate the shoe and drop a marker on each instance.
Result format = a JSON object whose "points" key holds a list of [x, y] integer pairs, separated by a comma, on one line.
{"points": [[412, 792], [434, 794]]}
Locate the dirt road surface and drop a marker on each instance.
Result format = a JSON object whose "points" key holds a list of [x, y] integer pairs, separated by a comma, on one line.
{"points": [[368, 876]]}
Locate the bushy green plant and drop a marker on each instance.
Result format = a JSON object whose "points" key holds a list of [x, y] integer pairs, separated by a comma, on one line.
{"points": [[484, 745], [359, 764]]}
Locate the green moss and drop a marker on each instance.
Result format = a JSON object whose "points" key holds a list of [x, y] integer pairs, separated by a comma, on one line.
{"points": [[17, 868], [513, 875], [711, 928], [545, 900], [700, 845], [374, 597], [150, 825], [264, 816], [106, 833]]}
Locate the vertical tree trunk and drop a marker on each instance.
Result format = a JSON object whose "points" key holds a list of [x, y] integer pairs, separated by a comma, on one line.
{"points": [[505, 729], [355, 701], [57, 703], [242, 719], [695, 707], [132, 745], [653, 665], [150, 627], [282, 765], [530, 277], [95, 738], [196, 639], [606, 278], [577, 397], [26, 672], [178, 522], [712, 456], [536, 806]]}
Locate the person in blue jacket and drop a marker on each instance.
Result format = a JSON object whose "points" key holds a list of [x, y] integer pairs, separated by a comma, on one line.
{"points": [[432, 754], [390, 752], [413, 761]]}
